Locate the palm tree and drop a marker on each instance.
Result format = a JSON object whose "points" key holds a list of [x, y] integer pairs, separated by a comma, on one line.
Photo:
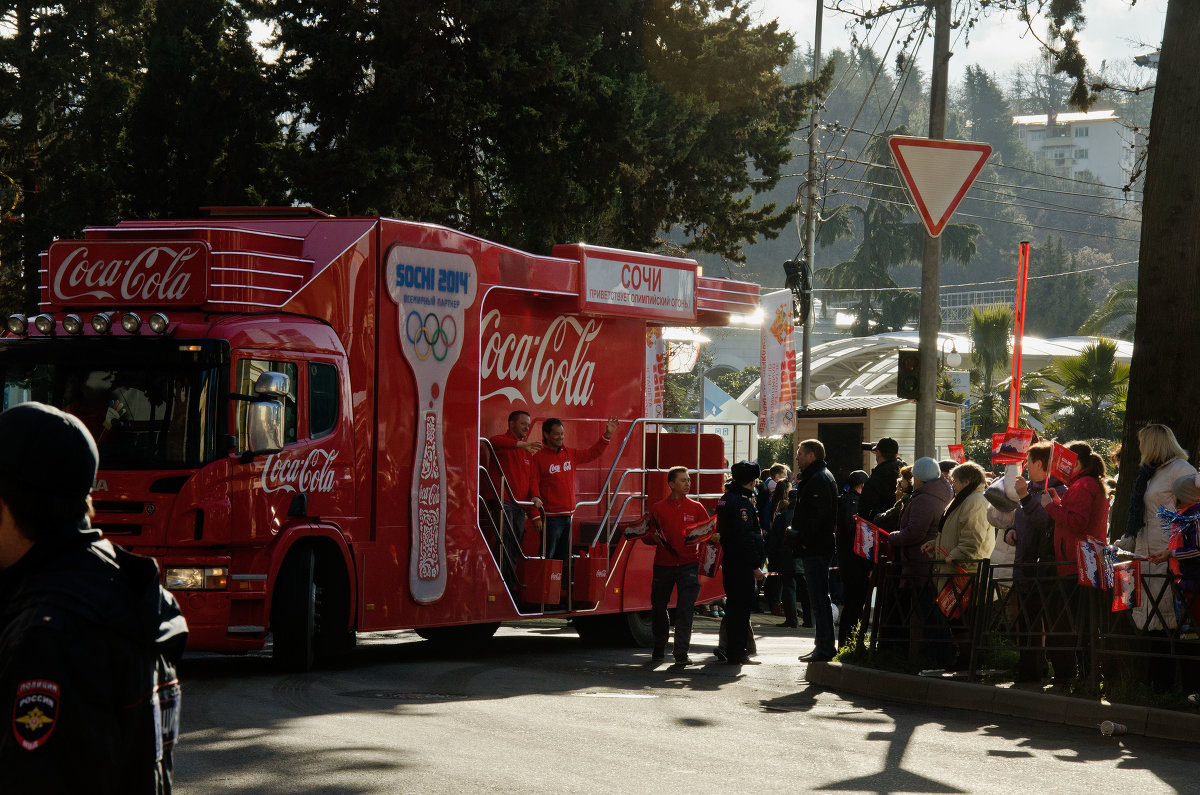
{"points": [[991, 328], [887, 240], [1091, 403], [1119, 307]]}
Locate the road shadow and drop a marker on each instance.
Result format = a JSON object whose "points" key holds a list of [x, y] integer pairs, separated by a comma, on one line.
{"points": [[1069, 744]]}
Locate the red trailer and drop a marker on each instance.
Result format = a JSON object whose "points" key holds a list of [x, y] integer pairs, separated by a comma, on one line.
{"points": [[292, 412]]}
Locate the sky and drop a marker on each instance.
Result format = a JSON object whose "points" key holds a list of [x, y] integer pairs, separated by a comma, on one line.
{"points": [[1114, 31]]}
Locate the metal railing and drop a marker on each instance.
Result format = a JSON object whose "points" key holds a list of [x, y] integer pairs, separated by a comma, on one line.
{"points": [[1043, 617]]}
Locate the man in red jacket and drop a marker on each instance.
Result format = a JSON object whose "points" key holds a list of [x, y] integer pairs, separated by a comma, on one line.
{"points": [[514, 456], [676, 565], [556, 464]]}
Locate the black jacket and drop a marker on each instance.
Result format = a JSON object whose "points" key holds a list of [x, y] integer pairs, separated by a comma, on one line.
{"points": [[741, 535], [879, 492], [88, 643], [816, 511], [847, 510]]}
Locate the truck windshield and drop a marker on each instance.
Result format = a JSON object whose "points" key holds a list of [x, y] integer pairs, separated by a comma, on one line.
{"points": [[150, 404]]}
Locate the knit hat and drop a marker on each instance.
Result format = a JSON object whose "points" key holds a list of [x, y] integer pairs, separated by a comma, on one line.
{"points": [[745, 472], [926, 469], [47, 452]]}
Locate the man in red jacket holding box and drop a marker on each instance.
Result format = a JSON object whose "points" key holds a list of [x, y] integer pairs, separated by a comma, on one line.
{"points": [[676, 566]]}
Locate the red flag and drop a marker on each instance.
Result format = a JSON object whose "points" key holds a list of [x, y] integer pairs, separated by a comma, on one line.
{"points": [[1062, 462], [957, 453], [1011, 446], [867, 539], [1127, 585]]}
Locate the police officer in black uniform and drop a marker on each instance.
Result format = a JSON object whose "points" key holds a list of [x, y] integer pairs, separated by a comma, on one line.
{"points": [[744, 551], [88, 637]]}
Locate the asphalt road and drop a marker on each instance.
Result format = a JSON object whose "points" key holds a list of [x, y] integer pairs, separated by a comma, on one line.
{"points": [[537, 712]]}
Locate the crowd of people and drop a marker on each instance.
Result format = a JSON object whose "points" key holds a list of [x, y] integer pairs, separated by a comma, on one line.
{"points": [[792, 534]]}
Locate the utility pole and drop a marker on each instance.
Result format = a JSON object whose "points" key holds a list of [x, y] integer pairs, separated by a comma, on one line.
{"points": [[810, 217], [930, 322]]}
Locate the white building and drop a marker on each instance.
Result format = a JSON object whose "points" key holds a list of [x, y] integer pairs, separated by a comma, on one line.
{"points": [[1096, 142]]}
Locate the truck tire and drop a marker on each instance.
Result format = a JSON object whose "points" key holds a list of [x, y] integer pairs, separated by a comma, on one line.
{"points": [[294, 612], [640, 627], [465, 636], [617, 629]]}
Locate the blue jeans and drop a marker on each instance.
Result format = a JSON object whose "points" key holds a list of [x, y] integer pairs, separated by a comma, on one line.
{"points": [[816, 572], [558, 540], [685, 581]]}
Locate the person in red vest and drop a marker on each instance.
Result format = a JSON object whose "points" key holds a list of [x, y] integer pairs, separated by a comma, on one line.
{"points": [[676, 565], [556, 464], [514, 455]]}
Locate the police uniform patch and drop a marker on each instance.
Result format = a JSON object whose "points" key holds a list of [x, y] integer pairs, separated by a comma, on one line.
{"points": [[35, 712], [745, 515]]}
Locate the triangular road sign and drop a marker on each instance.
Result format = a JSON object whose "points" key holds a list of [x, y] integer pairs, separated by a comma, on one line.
{"points": [[937, 174]]}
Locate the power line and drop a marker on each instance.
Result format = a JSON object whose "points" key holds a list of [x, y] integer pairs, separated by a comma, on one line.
{"points": [[1122, 188], [891, 167], [1059, 208], [1002, 220], [943, 287]]}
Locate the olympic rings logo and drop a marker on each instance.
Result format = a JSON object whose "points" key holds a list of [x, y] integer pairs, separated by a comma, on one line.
{"points": [[431, 335]]}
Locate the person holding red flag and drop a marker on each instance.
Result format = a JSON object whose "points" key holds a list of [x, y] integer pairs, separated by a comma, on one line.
{"points": [[1082, 512], [676, 566]]}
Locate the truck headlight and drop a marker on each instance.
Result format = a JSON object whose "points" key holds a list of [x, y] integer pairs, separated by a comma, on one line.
{"points": [[194, 578]]}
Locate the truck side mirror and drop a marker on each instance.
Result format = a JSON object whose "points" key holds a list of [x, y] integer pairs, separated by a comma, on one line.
{"points": [[264, 426], [264, 417]]}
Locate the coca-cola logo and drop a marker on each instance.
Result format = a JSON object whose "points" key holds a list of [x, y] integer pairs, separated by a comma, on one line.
{"points": [[554, 368], [129, 273], [290, 473]]}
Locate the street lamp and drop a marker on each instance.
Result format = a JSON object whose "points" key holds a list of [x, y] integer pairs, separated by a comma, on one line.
{"points": [[951, 359]]}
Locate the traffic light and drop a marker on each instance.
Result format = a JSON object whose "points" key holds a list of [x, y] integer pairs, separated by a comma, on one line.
{"points": [[908, 375]]}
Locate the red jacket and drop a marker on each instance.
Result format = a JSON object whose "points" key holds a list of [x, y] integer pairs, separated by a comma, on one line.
{"points": [[673, 518], [518, 469], [556, 475], [1083, 513]]}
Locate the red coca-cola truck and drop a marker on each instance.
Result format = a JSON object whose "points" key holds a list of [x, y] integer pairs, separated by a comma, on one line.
{"points": [[292, 412]]}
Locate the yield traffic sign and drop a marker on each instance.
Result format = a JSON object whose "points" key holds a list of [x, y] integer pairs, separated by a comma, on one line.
{"points": [[937, 174]]}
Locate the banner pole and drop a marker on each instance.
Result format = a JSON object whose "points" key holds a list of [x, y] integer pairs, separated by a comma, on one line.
{"points": [[1014, 389]]}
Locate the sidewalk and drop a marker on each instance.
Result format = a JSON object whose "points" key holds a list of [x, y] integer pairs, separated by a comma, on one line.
{"points": [[1003, 700]]}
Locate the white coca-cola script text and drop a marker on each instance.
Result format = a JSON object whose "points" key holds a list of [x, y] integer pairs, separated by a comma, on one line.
{"points": [[157, 273], [555, 368]]}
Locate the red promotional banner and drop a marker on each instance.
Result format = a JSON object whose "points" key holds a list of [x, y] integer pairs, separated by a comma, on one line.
{"points": [[1011, 446], [1062, 462], [957, 453]]}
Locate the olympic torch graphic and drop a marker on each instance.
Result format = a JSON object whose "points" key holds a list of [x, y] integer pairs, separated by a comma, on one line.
{"points": [[433, 290]]}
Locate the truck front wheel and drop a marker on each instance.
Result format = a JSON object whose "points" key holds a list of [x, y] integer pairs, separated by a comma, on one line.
{"points": [[294, 612]]}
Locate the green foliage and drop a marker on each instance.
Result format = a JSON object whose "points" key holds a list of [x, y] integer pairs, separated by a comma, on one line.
{"points": [[200, 130], [1092, 387], [1056, 307], [533, 122], [991, 329], [778, 450], [1118, 312]]}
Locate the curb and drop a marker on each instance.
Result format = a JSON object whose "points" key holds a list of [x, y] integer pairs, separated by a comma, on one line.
{"points": [[918, 690]]}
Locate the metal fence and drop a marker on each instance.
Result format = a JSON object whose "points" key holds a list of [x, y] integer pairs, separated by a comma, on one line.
{"points": [[965, 622]]}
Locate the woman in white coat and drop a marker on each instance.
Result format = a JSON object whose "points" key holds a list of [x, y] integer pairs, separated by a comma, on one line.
{"points": [[1163, 462]]}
